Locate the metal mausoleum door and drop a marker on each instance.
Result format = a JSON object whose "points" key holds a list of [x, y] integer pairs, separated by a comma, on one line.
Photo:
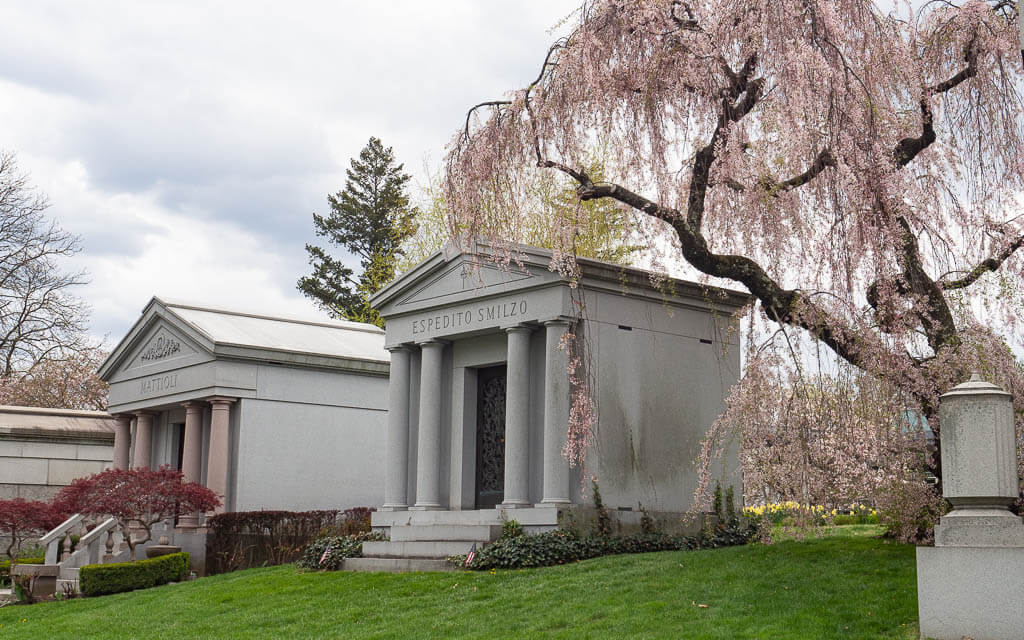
{"points": [[490, 437]]}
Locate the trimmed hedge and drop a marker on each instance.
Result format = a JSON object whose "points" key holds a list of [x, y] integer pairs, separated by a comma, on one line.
{"points": [[560, 547], [103, 579], [246, 539]]}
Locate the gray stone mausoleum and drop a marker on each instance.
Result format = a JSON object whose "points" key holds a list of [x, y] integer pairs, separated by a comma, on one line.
{"points": [[479, 395], [272, 413]]}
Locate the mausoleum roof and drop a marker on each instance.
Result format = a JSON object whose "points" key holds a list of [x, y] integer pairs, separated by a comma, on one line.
{"points": [[55, 423], [321, 337], [252, 336], [430, 283]]}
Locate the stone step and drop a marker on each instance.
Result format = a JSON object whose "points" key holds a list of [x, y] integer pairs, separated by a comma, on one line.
{"points": [[420, 549], [546, 516], [422, 532], [396, 565]]}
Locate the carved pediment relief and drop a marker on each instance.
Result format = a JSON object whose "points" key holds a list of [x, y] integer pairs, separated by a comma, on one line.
{"points": [[462, 277], [160, 346]]}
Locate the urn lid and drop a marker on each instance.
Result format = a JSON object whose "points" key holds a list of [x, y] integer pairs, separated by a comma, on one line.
{"points": [[975, 386]]}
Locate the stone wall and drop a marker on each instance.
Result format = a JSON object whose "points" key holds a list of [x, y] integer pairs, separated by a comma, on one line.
{"points": [[35, 469], [42, 450]]}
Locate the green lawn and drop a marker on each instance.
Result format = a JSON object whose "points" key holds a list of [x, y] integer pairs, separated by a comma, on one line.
{"points": [[834, 587]]}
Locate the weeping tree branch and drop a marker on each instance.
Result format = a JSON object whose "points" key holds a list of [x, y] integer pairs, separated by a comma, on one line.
{"points": [[985, 266]]}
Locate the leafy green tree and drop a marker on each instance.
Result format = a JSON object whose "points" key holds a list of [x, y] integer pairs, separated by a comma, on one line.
{"points": [[598, 229], [370, 219]]}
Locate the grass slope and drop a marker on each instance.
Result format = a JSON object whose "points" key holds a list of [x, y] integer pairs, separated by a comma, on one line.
{"points": [[838, 587]]}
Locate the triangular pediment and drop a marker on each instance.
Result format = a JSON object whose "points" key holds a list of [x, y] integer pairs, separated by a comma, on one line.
{"points": [[463, 278], [163, 346]]}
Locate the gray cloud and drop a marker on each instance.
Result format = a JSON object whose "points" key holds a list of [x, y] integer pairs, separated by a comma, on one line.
{"points": [[143, 116]]}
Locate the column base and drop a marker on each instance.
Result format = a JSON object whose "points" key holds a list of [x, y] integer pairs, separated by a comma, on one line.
{"points": [[432, 506], [970, 591], [553, 503], [516, 504], [394, 507]]}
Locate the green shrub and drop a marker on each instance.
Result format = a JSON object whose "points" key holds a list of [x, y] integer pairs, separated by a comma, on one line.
{"points": [[647, 524], [729, 515], [603, 526], [559, 547], [329, 552], [102, 579], [511, 529]]}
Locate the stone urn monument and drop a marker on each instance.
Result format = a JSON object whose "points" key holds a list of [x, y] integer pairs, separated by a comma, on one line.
{"points": [[163, 545], [971, 583]]}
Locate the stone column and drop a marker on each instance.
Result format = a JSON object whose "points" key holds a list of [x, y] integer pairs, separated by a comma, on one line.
{"points": [[192, 454], [143, 440], [220, 452], [517, 418], [556, 414], [396, 479], [122, 440], [428, 455]]}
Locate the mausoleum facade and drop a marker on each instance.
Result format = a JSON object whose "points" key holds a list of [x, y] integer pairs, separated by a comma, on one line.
{"points": [[271, 413], [480, 393]]}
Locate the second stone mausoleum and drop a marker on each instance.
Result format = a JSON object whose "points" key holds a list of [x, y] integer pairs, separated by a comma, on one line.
{"points": [[269, 412], [480, 397]]}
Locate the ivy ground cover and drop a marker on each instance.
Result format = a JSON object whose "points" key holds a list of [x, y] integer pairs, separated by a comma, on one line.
{"points": [[834, 587]]}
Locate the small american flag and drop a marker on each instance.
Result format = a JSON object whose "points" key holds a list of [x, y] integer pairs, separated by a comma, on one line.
{"points": [[470, 556], [324, 557]]}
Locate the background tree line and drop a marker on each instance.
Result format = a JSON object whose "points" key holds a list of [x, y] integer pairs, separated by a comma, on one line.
{"points": [[47, 358]]}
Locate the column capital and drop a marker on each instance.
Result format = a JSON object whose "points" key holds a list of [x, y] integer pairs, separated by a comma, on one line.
{"points": [[220, 401], [432, 342], [400, 347], [557, 321], [123, 416], [144, 413], [518, 328], [193, 404]]}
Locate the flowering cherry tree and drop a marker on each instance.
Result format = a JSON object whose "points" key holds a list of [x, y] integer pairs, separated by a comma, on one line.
{"points": [[858, 172], [68, 382], [138, 498], [22, 519]]}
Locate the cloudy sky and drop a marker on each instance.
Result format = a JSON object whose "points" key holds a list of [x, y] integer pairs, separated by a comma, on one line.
{"points": [[189, 143]]}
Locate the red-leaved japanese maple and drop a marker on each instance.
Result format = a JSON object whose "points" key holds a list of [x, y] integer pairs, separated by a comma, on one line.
{"points": [[859, 172], [137, 498], [22, 520]]}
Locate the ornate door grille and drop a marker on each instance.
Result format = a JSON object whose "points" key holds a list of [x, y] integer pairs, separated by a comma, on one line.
{"points": [[490, 437]]}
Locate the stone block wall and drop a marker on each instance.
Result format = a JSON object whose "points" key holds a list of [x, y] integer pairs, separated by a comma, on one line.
{"points": [[36, 468]]}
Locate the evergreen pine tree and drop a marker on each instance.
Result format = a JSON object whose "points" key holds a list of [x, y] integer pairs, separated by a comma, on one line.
{"points": [[369, 219]]}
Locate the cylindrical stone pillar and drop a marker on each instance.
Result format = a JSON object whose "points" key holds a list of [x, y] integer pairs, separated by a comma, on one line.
{"points": [[396, 478], [556, 414], [218, 465], [979, 452], [143, 440], [192, 453], [517, 418], [428, 454], [122, 440]]}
